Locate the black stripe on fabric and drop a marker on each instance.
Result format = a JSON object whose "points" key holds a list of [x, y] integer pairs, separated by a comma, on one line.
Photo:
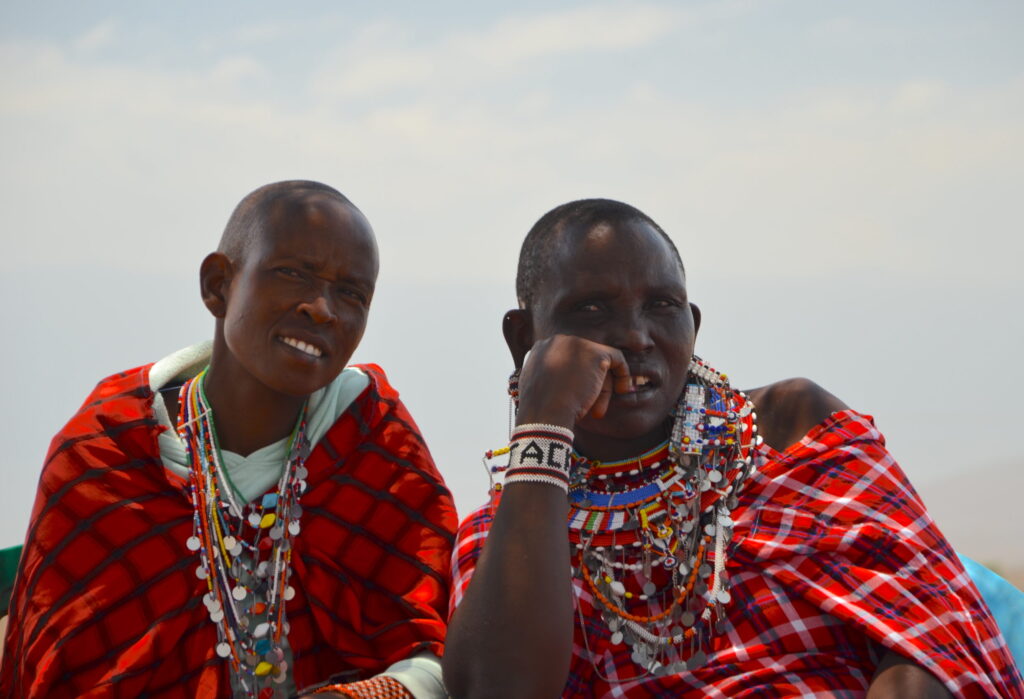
{"points": [[93, 473], [356, 411], [410, 611], [99, 616], [54, 501], [107, 433], [369, 447], [116, 554], [391, 416], [140, 391], [410, 512], [115, 651], [388, 548]]}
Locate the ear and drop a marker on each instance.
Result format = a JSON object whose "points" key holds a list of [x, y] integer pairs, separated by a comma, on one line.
{"points": [[215, 276], [517, 326], [696, 317]]}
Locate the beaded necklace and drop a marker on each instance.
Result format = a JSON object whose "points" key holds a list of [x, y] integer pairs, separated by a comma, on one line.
{"points": [[244, 549], [649, 534]]}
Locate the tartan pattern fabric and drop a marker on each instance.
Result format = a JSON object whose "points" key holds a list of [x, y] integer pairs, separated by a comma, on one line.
{"points": [[834, 560], [380, 687], [107, 603]]}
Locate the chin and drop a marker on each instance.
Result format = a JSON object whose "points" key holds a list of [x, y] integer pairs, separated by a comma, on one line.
{"points": [[624, 427]]}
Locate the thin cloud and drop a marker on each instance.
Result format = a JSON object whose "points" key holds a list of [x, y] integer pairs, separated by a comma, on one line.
{"points": [[475, 55], [100, 36]]}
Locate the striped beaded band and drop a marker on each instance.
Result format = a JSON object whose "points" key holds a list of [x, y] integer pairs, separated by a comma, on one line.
{"points": [[379, 687], [540, 454]]}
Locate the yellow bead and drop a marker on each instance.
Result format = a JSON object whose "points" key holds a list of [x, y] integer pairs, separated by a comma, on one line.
{"points": [[268, 520], [263, 668], [629, 595]]}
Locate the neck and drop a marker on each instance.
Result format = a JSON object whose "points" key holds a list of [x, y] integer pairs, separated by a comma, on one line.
{"points": [[598, 447], [248, 414]]}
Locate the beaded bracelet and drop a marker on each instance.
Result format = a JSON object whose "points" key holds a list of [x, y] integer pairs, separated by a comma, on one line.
{"points": [[540, 454], [379, 687]]}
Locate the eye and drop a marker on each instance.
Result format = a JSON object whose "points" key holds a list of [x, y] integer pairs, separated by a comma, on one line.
{"points": [[664, 303], [289, 272], [353, 293]]}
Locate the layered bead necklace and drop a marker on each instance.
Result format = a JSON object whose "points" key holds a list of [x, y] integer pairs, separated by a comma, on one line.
{"points": [[244, 549], [650, 533]]}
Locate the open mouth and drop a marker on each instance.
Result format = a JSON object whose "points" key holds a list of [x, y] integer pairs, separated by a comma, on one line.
{"points": [[304, 347]]}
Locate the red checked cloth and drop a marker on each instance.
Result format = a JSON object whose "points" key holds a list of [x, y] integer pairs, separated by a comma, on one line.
{"points": [[107, 603], [834, 560]]}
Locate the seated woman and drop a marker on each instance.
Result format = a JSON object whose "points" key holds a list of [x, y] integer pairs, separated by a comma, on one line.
{"points": [[660, 533]]}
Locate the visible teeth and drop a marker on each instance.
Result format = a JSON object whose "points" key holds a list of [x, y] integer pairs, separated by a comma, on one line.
{"points": [[302, 346], [641, 380]]}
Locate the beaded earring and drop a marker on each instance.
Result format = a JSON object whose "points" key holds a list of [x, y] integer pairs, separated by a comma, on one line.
{"points": [[513, 398]]}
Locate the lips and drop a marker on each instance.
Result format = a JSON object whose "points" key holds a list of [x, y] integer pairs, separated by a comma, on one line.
{"points": [[303, 346]]}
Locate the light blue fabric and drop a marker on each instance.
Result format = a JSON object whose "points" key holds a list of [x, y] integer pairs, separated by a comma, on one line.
{"points": [[251, 475], [1006, 603]]}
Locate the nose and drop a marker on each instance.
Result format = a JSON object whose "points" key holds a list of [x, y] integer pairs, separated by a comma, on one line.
{"points": [[632, 334], [317, 309]]}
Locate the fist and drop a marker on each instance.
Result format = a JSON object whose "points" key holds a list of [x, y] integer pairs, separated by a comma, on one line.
{"points": [[566, 378]]}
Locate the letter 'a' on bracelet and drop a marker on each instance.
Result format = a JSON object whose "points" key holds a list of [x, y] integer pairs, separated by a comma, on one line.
{"points": [[540, 454]]}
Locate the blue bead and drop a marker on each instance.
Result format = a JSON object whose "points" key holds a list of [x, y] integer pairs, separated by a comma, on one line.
{"points": [[269, 500], [262, 646]]}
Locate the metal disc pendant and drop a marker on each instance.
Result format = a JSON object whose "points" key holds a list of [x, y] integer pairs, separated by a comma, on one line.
{"points": [[193, 543], [223, 649]]}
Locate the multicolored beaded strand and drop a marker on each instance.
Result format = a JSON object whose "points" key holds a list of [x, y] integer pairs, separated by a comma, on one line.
{"points": [[247, 577], [662, 518]]}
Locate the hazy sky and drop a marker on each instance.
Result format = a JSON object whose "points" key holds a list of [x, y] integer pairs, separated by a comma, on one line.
{"points": [[842, 179]]}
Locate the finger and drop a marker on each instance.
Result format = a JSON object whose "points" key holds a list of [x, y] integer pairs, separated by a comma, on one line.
{"points": [[618, 371], [600, 405]]}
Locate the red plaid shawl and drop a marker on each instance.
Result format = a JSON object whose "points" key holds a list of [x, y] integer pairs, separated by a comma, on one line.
{"points": [[107, 602], [833, 560]]}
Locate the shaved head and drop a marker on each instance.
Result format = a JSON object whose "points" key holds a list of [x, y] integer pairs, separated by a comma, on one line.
{"points": [[270, 202], [575, 218]]}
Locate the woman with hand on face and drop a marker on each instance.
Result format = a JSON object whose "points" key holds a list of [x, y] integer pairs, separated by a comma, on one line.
{"points": [[659, 533]]}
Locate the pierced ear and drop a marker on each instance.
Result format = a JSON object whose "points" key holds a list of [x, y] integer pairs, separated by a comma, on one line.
{"points": [[696, 317], [517, 326], [214, 278]]}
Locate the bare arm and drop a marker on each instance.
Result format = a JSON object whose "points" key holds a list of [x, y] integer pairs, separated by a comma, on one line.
{"points": [[517, 611], [900, 678]]}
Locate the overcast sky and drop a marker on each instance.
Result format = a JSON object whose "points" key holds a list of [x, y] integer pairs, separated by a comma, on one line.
{"points": [[843, 181]]}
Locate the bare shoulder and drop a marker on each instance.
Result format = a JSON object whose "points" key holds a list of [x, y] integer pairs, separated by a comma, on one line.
{"points": [[788, 409]]}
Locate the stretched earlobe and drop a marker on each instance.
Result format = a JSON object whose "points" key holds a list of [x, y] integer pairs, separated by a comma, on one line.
{"points": [[517, 326], [214, 277], [696, 317]]}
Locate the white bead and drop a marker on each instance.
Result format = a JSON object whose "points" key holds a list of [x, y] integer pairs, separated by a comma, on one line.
{"points": [[193, 543]]}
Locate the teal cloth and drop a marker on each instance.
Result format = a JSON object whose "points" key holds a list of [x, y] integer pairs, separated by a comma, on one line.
{"points": [[9, 558], [1006, 603]]}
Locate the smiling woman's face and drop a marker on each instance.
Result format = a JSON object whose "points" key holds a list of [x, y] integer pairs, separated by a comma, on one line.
{"points": [[297, 304], [622, 287]]}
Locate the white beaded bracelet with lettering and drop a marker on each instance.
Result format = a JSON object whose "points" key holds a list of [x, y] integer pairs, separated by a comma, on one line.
{"points": [[540, 454]]}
